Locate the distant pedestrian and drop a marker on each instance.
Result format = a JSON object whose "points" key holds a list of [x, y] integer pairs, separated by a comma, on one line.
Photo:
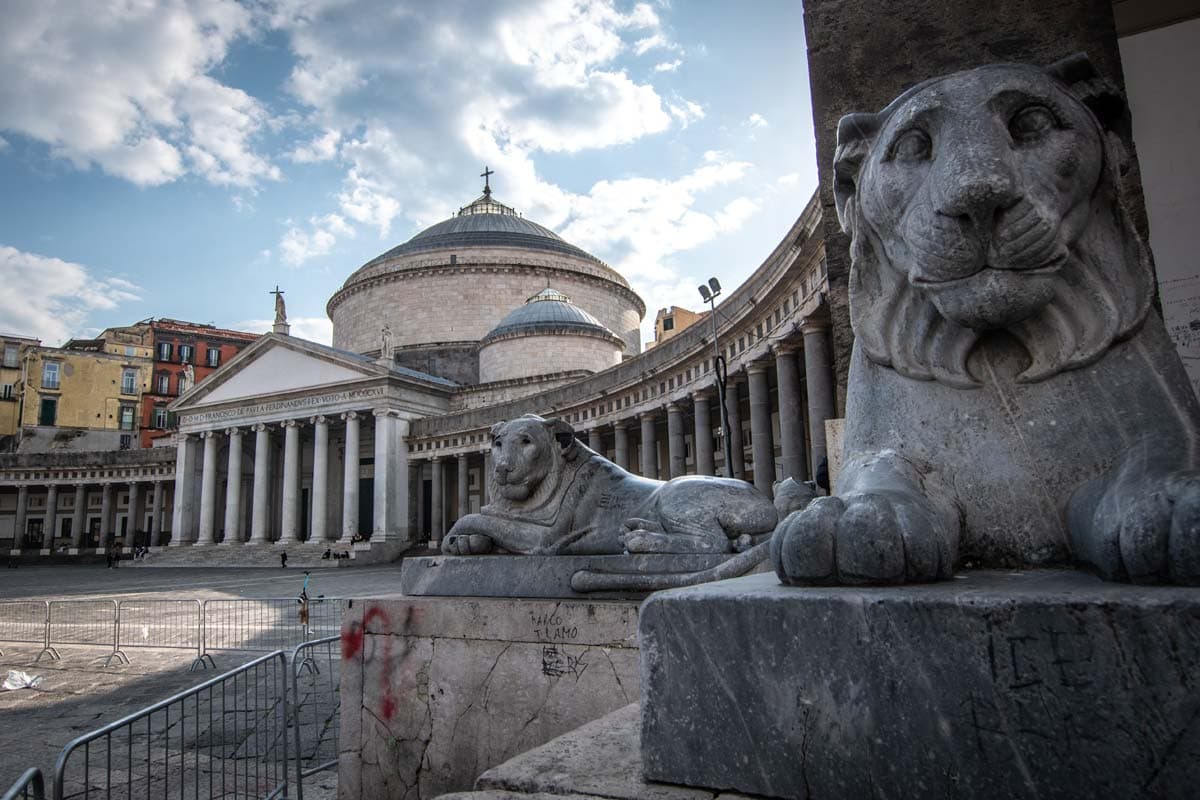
{"points": [[283, 559]]}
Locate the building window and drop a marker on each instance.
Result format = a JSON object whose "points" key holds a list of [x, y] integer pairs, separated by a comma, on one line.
{"points": [[126, 418], [48, 412], [160, 418], [185, 353], [164, 384], [129, 350], [214, 357], [126, 442], [6, 391], [50, 375], [164, 351], [668, 323], [128, 381], [10, 355]]}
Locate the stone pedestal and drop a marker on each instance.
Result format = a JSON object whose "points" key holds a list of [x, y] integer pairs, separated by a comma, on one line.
{"points": [[995, 685], [435, 691]]}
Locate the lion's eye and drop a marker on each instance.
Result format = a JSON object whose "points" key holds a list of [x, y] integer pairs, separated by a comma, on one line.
{"points": [[497, 443], [912, 145], [1031, 122], [526, 440]]}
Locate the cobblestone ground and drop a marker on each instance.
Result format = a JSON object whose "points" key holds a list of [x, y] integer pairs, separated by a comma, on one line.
{"points": [[79, 693]]}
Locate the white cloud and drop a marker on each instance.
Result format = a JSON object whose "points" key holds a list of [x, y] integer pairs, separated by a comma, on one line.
{"points": [[314, 329], [128, 89], [757, 120], [50, 299], [790, 179], [299, 245], [668, 66], [321, 148]]}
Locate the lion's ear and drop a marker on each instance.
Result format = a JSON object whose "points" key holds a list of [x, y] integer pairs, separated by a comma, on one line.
{"points": [[562, 432], [1096, 92], [855, 134], [496, 429]]}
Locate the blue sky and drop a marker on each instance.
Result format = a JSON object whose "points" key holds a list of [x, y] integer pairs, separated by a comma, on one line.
{"points": [[180, 159]]}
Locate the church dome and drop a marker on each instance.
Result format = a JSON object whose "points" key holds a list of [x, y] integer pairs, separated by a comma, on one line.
{"points": [[548, 334], [450, 285], [483, 223], [548, 311]]}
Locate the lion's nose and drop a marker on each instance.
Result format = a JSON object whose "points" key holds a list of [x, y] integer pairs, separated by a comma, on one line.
{"points": [[976, 191]]}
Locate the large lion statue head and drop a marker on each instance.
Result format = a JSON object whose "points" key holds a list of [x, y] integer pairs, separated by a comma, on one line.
{"points": [[987, 201], [528, 457]]}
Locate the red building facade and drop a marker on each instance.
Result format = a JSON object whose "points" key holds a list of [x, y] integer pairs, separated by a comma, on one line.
{"points": [[184, 354]]}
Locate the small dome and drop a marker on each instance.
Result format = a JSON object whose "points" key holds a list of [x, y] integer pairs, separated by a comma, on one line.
{"points": [[548, 311]]}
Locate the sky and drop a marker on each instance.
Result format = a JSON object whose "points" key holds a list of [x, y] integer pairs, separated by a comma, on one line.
{"points": [[181, 159]]}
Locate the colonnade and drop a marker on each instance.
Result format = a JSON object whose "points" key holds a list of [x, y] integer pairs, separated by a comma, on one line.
{"points": [[144, 496], [283, 523]]}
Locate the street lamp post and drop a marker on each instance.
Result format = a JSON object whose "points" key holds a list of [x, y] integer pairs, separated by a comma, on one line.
{"points": [[709, 294]]}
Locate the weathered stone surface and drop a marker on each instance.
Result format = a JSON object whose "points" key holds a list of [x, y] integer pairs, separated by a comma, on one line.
{"points": [[553, 495], [854, 64], [435, 691], [1015, 399], [534, 576], [601, 759], [1047, 684]]}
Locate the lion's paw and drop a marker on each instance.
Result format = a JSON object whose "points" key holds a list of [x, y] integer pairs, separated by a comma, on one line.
{"points": [[884, 537], [1149, 534], [467, 544]]}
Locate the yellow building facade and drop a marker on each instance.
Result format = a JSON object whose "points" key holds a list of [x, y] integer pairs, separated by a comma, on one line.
{"points": [[10, 381], [76, 391]]}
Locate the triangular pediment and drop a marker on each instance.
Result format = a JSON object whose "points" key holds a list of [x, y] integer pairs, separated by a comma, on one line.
{"points": [[278, 365]]}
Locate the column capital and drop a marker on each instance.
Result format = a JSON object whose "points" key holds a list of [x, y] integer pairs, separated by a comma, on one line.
{"points": [[319, 419], [385, 412], [259, 427], [814, 325], [208, 434], [235, 431], [348, 415], [673, 406], [183, 438], [290, 423], [651, 414], [785, 348], [703, 394], [462, 456], [619, 424], [755, 367]]}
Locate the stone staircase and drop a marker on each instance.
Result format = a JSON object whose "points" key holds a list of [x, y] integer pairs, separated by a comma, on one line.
{"points": [[303, 555]]}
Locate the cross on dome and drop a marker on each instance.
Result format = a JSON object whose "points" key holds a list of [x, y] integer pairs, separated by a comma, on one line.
{"points": [[486, 174]]}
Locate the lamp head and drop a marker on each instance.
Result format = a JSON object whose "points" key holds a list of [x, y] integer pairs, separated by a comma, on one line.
{"points": [[715, 286], [704, 293]]}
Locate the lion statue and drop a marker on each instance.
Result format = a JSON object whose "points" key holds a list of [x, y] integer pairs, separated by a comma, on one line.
{"points": [[552, 495], [1013, 398]]}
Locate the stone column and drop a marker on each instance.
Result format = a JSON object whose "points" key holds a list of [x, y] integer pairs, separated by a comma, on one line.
{"points": [[676, 445], [762, 442], [484, 493], [156, 509], [208, 490], [106, 514], [320, 480], [596, 440], [414, 499], [350, 478], [818, 379], [134, 516], [79, 518], [791, 421], [51, 521], [260, 515], [437, 521], [22, 514], [703, 435], [649, 446], [621, 443], [289, 518], [391, 467], [464, 502], [233, 489], [738, 468], [182, 518]]}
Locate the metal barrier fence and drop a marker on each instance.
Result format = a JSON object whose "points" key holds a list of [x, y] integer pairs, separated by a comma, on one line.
{"points": [[29, 786], [227, 737], [24, 622], [254, 625], [316, 717]]}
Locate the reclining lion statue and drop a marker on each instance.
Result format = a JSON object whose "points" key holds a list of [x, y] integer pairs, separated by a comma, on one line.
{"points": [[1013, 398], [552, 495]]}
